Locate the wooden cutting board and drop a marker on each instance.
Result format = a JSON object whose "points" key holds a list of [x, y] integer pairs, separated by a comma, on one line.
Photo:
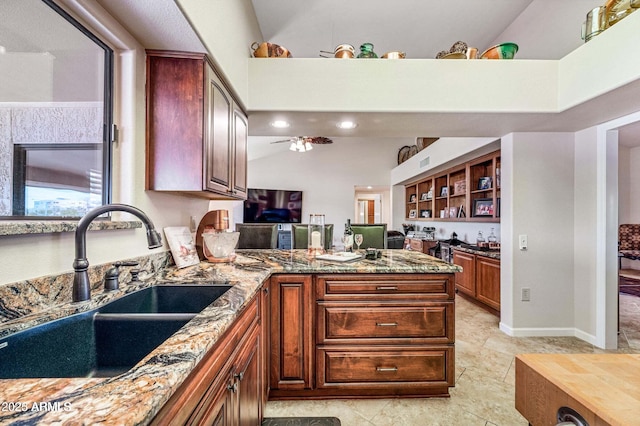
{"points": [[603, 388]]}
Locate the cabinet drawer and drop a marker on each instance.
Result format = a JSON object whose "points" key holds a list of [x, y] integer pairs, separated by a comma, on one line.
{"points": [[348, 287], [357, 323], [416, 245], [388, 366]]}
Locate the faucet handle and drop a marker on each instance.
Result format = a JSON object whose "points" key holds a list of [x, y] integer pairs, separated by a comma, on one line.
{"points": [[134, 275], [113, 273]]}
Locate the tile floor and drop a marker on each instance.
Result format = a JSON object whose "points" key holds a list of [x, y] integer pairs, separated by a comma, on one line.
{"points": [[485, 377]]}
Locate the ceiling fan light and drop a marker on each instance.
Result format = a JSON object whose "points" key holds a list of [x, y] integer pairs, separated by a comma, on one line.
{"points": [[292, 147], [308, 146], [300, 146]]}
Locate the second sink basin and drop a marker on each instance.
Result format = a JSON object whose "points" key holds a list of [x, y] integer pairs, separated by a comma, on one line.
{"points": [[183, 298]]}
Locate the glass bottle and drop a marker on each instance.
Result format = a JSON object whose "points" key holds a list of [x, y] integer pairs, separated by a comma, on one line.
{"points": [[366, 51], [479, 239], [347, 238], [492, 237]]}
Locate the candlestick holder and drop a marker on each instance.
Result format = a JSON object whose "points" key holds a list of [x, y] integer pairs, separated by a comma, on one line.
{"points": [[315, 235]]}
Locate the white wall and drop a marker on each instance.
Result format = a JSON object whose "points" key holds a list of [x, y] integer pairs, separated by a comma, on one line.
{"points": [[634, 185], [534, 41], [585, 235], [227, 29], [328, 174], [624, 184], [537, 201]]}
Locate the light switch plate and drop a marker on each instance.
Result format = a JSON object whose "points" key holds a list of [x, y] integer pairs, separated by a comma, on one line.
{"points": [[523, 242]]}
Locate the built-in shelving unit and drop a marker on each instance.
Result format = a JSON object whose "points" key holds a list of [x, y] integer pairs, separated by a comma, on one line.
{"points": [[466, 192]]}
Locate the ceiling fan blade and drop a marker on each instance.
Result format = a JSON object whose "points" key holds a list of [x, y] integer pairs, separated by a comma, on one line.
{"points": [[286, 140]]}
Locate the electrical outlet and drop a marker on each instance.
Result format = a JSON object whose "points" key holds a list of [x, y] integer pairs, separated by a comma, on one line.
{"points": [[526, 294], [523, 241]]}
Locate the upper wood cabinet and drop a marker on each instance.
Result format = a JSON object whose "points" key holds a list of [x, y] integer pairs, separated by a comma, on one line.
{"points": [[196, 131], [466, 192]]}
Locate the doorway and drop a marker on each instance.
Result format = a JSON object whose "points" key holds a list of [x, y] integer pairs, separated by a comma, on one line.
{"points": [[629, 213], [371, 205]]}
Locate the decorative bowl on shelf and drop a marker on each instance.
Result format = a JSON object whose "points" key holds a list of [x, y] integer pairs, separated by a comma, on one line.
{"points": [[500, 51], [454, 55], [269, 50]]}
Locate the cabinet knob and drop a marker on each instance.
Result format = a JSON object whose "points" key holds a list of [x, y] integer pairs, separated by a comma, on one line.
{"points": [[233, 387], [239, 376]]}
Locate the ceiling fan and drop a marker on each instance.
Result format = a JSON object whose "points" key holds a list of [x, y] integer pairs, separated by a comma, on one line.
{"points": [[305, 143]]}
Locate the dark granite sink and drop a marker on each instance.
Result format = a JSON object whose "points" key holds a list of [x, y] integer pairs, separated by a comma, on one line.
{"points": [[105, 341], [183, 298]]}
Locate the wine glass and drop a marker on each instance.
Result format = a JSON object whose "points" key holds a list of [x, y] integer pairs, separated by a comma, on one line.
{"points": [[358, 240]]}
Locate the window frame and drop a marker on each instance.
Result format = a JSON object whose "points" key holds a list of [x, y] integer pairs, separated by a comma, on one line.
{"points": [[108, 130]]}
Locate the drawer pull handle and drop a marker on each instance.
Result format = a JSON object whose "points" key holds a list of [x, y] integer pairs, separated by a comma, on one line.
{"points": [[385, 369], [391, 287], [387, 324]]}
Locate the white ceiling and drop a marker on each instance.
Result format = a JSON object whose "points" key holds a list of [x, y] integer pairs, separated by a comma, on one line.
{"points": [[544, 29]]}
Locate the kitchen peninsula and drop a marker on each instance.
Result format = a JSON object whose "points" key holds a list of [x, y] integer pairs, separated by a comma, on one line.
{"points": [[355, 317]]}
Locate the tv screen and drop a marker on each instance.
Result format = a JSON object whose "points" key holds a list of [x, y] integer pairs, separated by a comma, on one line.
{"points": [[272, 205]]}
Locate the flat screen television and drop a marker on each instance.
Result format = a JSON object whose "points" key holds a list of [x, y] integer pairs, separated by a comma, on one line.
{"points": [[272, 206]]}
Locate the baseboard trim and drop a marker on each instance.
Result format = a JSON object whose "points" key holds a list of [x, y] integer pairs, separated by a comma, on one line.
{"points": [[548, 332]]}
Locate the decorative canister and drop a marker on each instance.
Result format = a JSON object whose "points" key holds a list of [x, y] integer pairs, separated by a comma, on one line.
{"points": [[595, 24], [366, 51], [315, 235]]}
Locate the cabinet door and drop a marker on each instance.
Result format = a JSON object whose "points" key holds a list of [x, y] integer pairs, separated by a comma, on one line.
{"points": [[218, 106], [291, 332], [465, 280], [218, 411], [174, 123], [240, 135], [247, 375], [488, 281]]}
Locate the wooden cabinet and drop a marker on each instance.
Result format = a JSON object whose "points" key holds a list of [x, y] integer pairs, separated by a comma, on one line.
{"points": [[488, 281], [479, 279], [196, 131], [226, 386], [375, 335], [422, 246], [465, 192], [291, 333]]}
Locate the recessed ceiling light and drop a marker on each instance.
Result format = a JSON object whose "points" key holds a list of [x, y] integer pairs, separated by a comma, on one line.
{"points": [[280, 124], [346, 125]]}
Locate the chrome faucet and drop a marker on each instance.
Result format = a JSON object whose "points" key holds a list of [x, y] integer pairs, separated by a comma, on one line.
{"points": [[81, 284]]}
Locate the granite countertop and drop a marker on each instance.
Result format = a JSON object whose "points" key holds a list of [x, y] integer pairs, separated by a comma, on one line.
{"points": [[493, 254], [137, 395]]}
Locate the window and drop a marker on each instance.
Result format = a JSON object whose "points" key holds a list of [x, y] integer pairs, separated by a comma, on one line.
{"points": [[56, 101]]}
